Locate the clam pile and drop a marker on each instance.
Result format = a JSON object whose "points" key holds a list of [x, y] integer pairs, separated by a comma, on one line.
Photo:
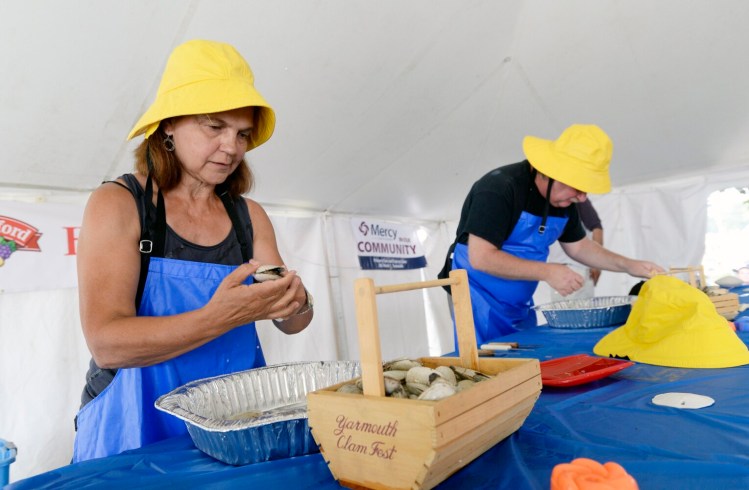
{"points": [[714, 290], [408, 378]]}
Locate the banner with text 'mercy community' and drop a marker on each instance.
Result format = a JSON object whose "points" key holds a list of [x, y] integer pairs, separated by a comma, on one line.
{"points": [[382, 245]]}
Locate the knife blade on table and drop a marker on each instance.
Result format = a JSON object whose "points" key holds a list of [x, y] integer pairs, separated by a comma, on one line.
{"points": [[504, 346]]}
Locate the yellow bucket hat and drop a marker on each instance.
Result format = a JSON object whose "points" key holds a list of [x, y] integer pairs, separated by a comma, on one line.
{"points": [[203, 77], [674, 324], [579, 158]]}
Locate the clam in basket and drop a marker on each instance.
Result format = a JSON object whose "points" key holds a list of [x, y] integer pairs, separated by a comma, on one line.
{"points": [[373, 441]]}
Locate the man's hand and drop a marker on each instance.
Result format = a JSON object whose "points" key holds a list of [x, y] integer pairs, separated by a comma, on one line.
{"points": [[564, 280], [644, 269]]}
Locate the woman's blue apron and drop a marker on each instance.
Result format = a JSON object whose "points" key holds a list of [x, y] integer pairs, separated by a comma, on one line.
{"points": [[500, 305], [123, 415]]}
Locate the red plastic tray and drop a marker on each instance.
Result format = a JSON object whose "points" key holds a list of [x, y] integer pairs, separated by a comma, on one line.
{"points": [[579, 369]]}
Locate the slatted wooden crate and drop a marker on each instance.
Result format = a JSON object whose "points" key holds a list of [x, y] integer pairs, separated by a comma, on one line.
{"points": [[726, 304], [373, 441]]}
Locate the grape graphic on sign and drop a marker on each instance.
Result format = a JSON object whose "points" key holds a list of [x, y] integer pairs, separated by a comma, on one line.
{"points": [[15, 235]]}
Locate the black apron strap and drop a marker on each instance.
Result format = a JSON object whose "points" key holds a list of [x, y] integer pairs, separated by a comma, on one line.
{"points": [[231, 210], [542, 228], [148, 236], [152, 231], [534, 172]]}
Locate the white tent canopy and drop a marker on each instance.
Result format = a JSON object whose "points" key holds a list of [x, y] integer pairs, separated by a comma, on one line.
{"points": [[388, 110], [381, 104]]}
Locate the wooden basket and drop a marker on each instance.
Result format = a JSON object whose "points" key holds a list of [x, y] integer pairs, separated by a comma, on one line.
{"points": [[726, 304], [370, 441]]}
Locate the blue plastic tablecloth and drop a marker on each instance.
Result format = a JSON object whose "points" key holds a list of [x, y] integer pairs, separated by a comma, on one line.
{"points": [[612, 419]]}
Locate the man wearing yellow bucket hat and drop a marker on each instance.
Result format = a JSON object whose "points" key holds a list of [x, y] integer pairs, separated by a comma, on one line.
{"points": [[166, 285], [513, 214]]}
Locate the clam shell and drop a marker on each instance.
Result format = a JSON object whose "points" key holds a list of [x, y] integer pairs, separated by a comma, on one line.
{"points": [[421, 374], [350, 388], [269, 272], [465, 373], [401, 365], [399, 375], [400, 393], [438, 391], [392, 385], [416, 388], [447, 374], [464, 384]]}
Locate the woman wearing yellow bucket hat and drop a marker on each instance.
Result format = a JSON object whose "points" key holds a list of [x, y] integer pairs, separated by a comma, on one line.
{"points": [[166, 286], [513, 214]]}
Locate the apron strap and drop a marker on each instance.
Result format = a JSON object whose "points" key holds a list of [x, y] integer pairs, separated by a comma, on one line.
{"points": [[152, 230], [231, 210], [542, 228], [534, 172]]}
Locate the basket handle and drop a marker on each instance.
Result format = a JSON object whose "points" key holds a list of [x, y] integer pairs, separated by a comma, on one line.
{"points": [[692, 271], [365, 293]]}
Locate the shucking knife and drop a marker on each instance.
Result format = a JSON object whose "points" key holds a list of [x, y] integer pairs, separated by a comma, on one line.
{"points": [[505, 346]]}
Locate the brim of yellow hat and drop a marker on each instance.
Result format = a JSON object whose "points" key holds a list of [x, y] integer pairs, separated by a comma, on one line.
{"points": [[563, 167], [208, 97], [718, 348], [703, 340]]}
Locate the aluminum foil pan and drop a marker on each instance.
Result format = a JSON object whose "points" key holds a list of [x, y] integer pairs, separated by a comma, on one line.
{"points": [[601, 311], [255, 415]]}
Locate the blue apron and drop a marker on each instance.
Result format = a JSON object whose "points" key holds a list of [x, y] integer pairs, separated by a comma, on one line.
{"points": [[501, 305], [123, 415]]}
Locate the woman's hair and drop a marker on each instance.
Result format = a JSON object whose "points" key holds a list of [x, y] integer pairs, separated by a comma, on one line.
{"points": [[167, 169]]}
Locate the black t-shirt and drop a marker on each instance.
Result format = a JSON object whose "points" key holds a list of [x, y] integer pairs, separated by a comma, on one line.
{"points": [[497, 199], [495, 203], [589, 215]]}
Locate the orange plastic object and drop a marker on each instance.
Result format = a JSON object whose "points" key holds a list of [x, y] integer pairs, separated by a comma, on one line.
{"points": [[579, 369], [586, 474]]}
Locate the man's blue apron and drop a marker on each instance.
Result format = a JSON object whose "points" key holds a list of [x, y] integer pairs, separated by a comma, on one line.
{"points": [[502, 305], [123, 416]]}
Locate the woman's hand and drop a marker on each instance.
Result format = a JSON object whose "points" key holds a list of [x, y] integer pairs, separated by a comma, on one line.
{"points": [[236, 303], [289, 314], [299, 320]]}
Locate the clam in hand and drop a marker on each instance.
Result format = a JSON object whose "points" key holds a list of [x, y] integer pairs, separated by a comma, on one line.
{"points": [[269, 273]]}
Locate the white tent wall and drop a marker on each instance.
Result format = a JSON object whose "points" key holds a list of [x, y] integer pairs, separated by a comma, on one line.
{"points": [[43, 358], [303, 245]]}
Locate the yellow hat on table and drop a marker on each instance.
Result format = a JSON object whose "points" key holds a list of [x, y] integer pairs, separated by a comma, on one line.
{"points": [[674, 324], [579, 158], [203, 77]]}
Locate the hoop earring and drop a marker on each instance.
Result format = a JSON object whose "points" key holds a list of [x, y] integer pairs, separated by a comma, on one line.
{"points": [[169, 143]]}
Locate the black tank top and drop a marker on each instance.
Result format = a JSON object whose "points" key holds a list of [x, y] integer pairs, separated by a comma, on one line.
{"points": [[227, 252]]}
